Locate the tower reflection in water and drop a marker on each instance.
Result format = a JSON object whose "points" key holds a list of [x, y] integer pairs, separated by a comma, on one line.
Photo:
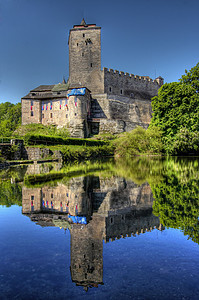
{"points": [[93, 209]]}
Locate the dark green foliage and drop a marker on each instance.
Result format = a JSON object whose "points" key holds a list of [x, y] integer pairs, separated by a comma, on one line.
{"points": [[184, 142], [10, 118], [10, 194], [177, 107], [139, 141], [36, 139]]}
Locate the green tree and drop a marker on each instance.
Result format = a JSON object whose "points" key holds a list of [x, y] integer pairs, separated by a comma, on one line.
{"points": [[177, 107], [10, 118]]}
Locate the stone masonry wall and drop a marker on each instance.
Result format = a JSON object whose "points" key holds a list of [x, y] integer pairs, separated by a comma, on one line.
{"points": [[31, 113], [117, 114]]}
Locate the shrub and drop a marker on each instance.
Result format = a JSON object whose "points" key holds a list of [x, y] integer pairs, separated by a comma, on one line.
{"points": [[139, 141], [38, 139]]}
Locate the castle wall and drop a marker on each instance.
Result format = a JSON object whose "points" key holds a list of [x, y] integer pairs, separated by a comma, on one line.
{"points": [[31, 111]]}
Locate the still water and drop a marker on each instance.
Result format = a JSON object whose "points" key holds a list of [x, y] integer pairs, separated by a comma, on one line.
{"points": [[113, 230]]}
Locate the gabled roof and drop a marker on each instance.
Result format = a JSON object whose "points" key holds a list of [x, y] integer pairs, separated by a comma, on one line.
{"points": [[43, 88]]}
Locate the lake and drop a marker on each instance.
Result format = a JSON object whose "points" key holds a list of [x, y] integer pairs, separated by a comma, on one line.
{"points": [[105, 230]]}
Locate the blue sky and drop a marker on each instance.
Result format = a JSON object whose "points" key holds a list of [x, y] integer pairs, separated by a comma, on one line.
{"points": [[143, 37]]}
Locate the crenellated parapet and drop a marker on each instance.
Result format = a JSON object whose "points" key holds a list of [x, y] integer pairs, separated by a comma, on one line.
{"points": [[120, 83], [126, 75]]}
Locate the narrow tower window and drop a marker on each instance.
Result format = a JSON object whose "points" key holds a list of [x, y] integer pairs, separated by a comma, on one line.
{"points": [[77, 44], [83, 35], [91, 65]]}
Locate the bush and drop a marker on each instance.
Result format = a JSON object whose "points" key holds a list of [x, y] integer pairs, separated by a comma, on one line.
{"points": [[41, 129], [37, 139], [139, 141]]}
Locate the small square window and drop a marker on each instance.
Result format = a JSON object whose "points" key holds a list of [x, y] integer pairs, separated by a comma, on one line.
{"points": [[31, 113]]}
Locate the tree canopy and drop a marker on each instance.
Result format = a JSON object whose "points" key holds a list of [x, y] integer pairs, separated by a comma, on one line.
{"points": [[10, 118], [176, 110]]}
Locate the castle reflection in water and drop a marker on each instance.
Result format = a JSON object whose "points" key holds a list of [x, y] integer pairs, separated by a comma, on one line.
{"points": [[112, 207]]}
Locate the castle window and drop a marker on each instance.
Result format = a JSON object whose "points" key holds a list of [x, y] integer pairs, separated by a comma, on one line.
{"points": [[33, 94], [42, 116], [83, 35], [66, 115], [51, 115], [111, 220], [121, 92], [58, 93], [91, 65], [75, 114], [31, 113], [82, 54], [110, 89], [77, 44], [32, 198], [52, 195], [43, 195]]}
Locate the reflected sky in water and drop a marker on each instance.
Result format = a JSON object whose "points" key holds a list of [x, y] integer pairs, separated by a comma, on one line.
{"points": [[125, 250]]}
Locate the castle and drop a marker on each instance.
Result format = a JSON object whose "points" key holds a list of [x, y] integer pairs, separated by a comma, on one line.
{"points": [[93, 100]]}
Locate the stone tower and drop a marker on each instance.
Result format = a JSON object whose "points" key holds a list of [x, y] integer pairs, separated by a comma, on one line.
{"points": [[85, 57]]}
